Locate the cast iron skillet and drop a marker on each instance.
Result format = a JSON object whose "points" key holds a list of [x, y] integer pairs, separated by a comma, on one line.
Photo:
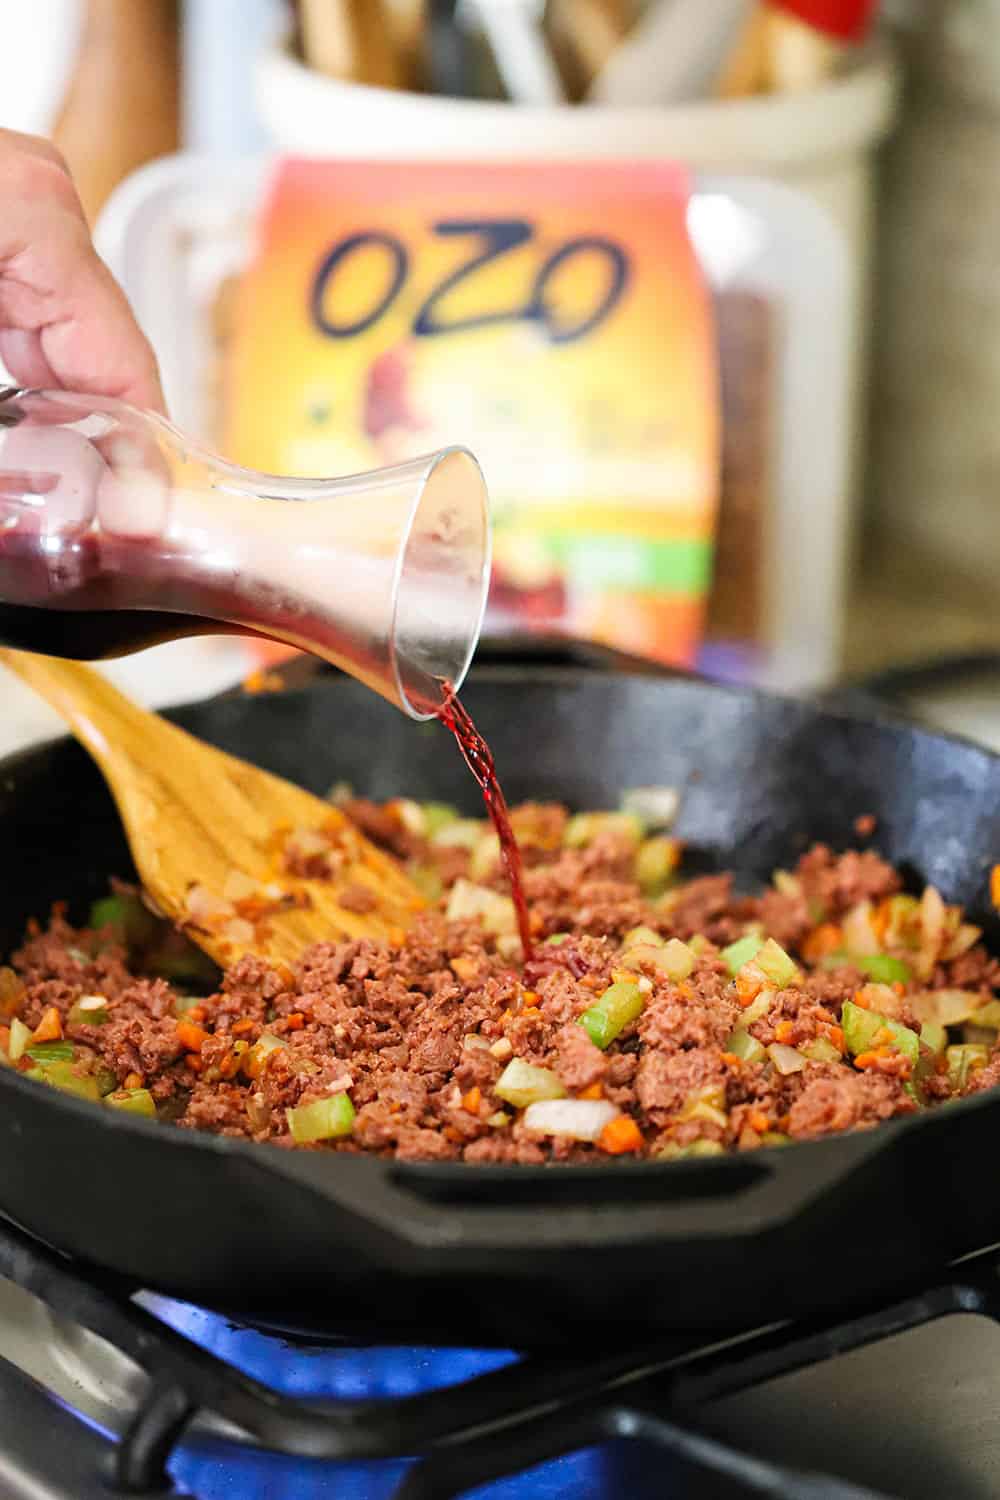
{"points": [[518, 1255]]}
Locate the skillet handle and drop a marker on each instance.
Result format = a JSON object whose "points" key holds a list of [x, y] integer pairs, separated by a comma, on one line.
{"points": [[543, 1210]]}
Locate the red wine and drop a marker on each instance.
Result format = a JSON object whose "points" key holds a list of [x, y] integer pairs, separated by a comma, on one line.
{"points": [[479, 759]]}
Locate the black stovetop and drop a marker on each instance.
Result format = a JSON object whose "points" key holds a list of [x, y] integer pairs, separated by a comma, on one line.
{"points": [[225, 1410]]}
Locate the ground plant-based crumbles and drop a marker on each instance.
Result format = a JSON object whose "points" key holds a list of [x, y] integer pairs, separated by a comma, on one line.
{"points": [[658, 1016]]}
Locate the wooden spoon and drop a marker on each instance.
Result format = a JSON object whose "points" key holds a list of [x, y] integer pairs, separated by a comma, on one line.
{"points": [[195, 816]]}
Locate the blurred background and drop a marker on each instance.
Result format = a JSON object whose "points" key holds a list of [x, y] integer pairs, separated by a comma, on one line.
{"points": [[789, 476]]}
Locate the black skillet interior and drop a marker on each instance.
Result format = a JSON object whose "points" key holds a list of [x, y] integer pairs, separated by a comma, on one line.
{"points": [[527, 1256]]}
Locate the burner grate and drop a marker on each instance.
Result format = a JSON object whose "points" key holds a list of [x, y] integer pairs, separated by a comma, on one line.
{"points": [[486, 1427]]}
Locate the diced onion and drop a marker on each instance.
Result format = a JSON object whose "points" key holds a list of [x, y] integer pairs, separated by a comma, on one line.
{"points": [[654, 806], [579, 1119], [238, 887], [674, 959], [238, 930], [786, 1059], [202, 906], [946, 1007], [522, 1084], [467, 900], [860, 937], [306, 842]]}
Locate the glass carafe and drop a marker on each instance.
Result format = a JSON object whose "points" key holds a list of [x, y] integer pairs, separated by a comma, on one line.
{"points": [[116, 532]]}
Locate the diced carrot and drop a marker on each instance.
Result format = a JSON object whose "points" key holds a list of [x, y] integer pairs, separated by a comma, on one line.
{"points": [[824, 939], [396, 936], [995, 886], [529, 997], [395, 1107], [229, 1066], [836, 1035], [133, 1081], [731, 1060], [860, 998], [882, 1037], [472, 1100], [620, 1135], [451, 1134], [531, 1010], [595, 1091], [783, 1030], [880, 919], [295, 1021], [759, 1121], [49, 1028], [191, 1036], [194, 1062], [195, 1013], [241, 1027], [4, 1038], [898, 987], [871, 1058]]}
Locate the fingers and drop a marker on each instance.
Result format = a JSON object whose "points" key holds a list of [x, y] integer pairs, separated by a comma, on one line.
{"points": [[64, 320]]}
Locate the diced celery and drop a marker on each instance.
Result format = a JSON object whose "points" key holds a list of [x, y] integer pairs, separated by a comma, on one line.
{"points": [[963, 1061], [758, 1007], [134, 924], [934, 1036], [583, 828], [643, 935], [745, 1046], [820, 1049], [20, 1039], [107, 1082], [775, 1138], [673, 1152], [860, 1027], [707, 1103], [656, 861], [437, 815], [132, 1102], [42, 1052], [741, 952], [65, 1075], [775, 964], [83, 1013], [674, 959], [884, 969], [698, 943], [521, 1084], [621, 1003], [556, 939], [322, 1120]]}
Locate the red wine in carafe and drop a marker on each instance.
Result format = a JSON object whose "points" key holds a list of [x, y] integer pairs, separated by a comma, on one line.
{"points": [[479, 759]]}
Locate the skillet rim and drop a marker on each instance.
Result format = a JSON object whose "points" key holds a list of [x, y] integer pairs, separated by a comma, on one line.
{"points": [[855, 1146]]}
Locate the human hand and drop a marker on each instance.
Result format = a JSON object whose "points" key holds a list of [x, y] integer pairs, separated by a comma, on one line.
{"points": [[64, 321]]}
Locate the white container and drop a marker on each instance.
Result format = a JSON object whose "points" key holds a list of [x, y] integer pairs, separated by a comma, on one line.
{"points": [[822, 143], [178, 228]]}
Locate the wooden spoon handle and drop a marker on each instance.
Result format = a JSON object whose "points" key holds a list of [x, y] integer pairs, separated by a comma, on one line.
{"points": [[106, 722]]}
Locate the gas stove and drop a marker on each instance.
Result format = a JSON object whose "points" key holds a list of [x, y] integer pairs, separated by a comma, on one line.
{"points": [[105, 1390]]}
